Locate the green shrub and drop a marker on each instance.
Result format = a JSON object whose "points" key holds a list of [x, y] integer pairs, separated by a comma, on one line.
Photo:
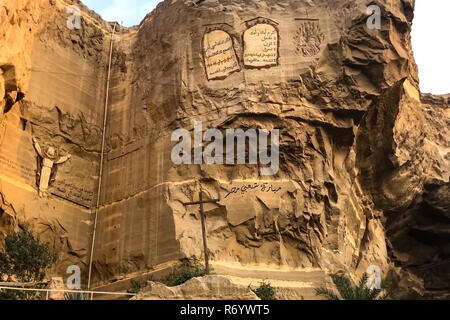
{"points": [[348, 291], [265, 291], [25, 259], [136, 286], [75, 296], [12, 295], [184, 273]]}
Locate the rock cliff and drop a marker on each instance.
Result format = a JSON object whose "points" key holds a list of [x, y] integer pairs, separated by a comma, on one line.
{"points": [[364, 160]]}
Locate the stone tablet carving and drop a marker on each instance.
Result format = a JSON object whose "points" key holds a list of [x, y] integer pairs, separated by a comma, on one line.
{"points": [[16, 159], [308, 38], [219, 55], [14, 168], [72, 192], [261, 46]]}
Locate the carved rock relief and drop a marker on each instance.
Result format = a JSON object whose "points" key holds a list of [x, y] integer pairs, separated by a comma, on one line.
{"points": [[308, 38]]}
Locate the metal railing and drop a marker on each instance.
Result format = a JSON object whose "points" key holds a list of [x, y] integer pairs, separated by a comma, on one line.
{"points": [[89, 293]]}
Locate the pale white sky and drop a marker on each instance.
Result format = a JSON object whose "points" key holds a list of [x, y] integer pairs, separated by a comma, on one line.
{"points": [[431, 44], [430, 36]]}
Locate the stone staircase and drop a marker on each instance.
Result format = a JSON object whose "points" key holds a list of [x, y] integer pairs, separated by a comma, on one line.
{"points": [[124, 284], [288, 284]]}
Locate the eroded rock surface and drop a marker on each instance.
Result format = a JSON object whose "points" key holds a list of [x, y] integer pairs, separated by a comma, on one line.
{"points": [[364, 156], [201, 288], [52, 89]]}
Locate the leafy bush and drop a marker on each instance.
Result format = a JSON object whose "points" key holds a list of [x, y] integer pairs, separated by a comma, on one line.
{"points": [[25, 260], [136, 286], [348, 291], [265, 291], [75, 296], [184, 273], [11, 295]]}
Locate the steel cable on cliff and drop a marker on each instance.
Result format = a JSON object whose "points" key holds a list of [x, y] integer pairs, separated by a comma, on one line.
{"points": [[105, 112]]}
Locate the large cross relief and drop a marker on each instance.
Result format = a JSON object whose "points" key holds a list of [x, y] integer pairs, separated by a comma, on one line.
{"points": [[47, 162]]}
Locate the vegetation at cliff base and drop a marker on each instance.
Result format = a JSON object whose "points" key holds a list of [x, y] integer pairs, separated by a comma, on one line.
{"points": [[25, 259], [265, 291], [136, 286], [75, 296], [183, 273], [349, 291]]}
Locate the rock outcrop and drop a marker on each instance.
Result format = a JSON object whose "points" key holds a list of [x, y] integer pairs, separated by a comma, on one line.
{"points": [[201, 288], [56, 283], [364, 165]]}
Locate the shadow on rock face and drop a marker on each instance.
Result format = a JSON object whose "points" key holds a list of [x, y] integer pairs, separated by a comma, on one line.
{"points": [[9, 92]]}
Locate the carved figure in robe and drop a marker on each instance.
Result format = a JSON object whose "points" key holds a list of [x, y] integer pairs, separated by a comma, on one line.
{"points": [[48, 160]]}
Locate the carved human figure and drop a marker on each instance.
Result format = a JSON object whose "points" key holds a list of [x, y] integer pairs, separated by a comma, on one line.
{"points": [[49, 159]]}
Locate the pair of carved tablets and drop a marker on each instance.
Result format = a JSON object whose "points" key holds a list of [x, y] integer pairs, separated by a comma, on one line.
{"points": [[260, 47], [260, 50]]}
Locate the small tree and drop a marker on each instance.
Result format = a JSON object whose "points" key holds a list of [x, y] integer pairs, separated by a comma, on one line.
{"points": [[75, 296], [25, 260], [136, 286], [265, 291], [348, 291], [184, 273]]}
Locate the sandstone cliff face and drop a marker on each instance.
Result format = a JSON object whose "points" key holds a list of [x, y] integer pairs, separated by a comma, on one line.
{"points": [[54, 83], [364, 157]]}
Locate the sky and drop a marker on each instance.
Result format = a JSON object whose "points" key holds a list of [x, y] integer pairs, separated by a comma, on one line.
{"points": [[430, 36], [431, 45], [131, 12]]}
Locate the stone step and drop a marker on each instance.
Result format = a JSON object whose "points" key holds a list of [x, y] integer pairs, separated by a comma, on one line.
{"points": [[288, 284], [122, 285]]}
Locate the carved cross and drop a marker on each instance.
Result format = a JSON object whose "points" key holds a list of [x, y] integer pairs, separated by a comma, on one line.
{"points": [[202, 215]]}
